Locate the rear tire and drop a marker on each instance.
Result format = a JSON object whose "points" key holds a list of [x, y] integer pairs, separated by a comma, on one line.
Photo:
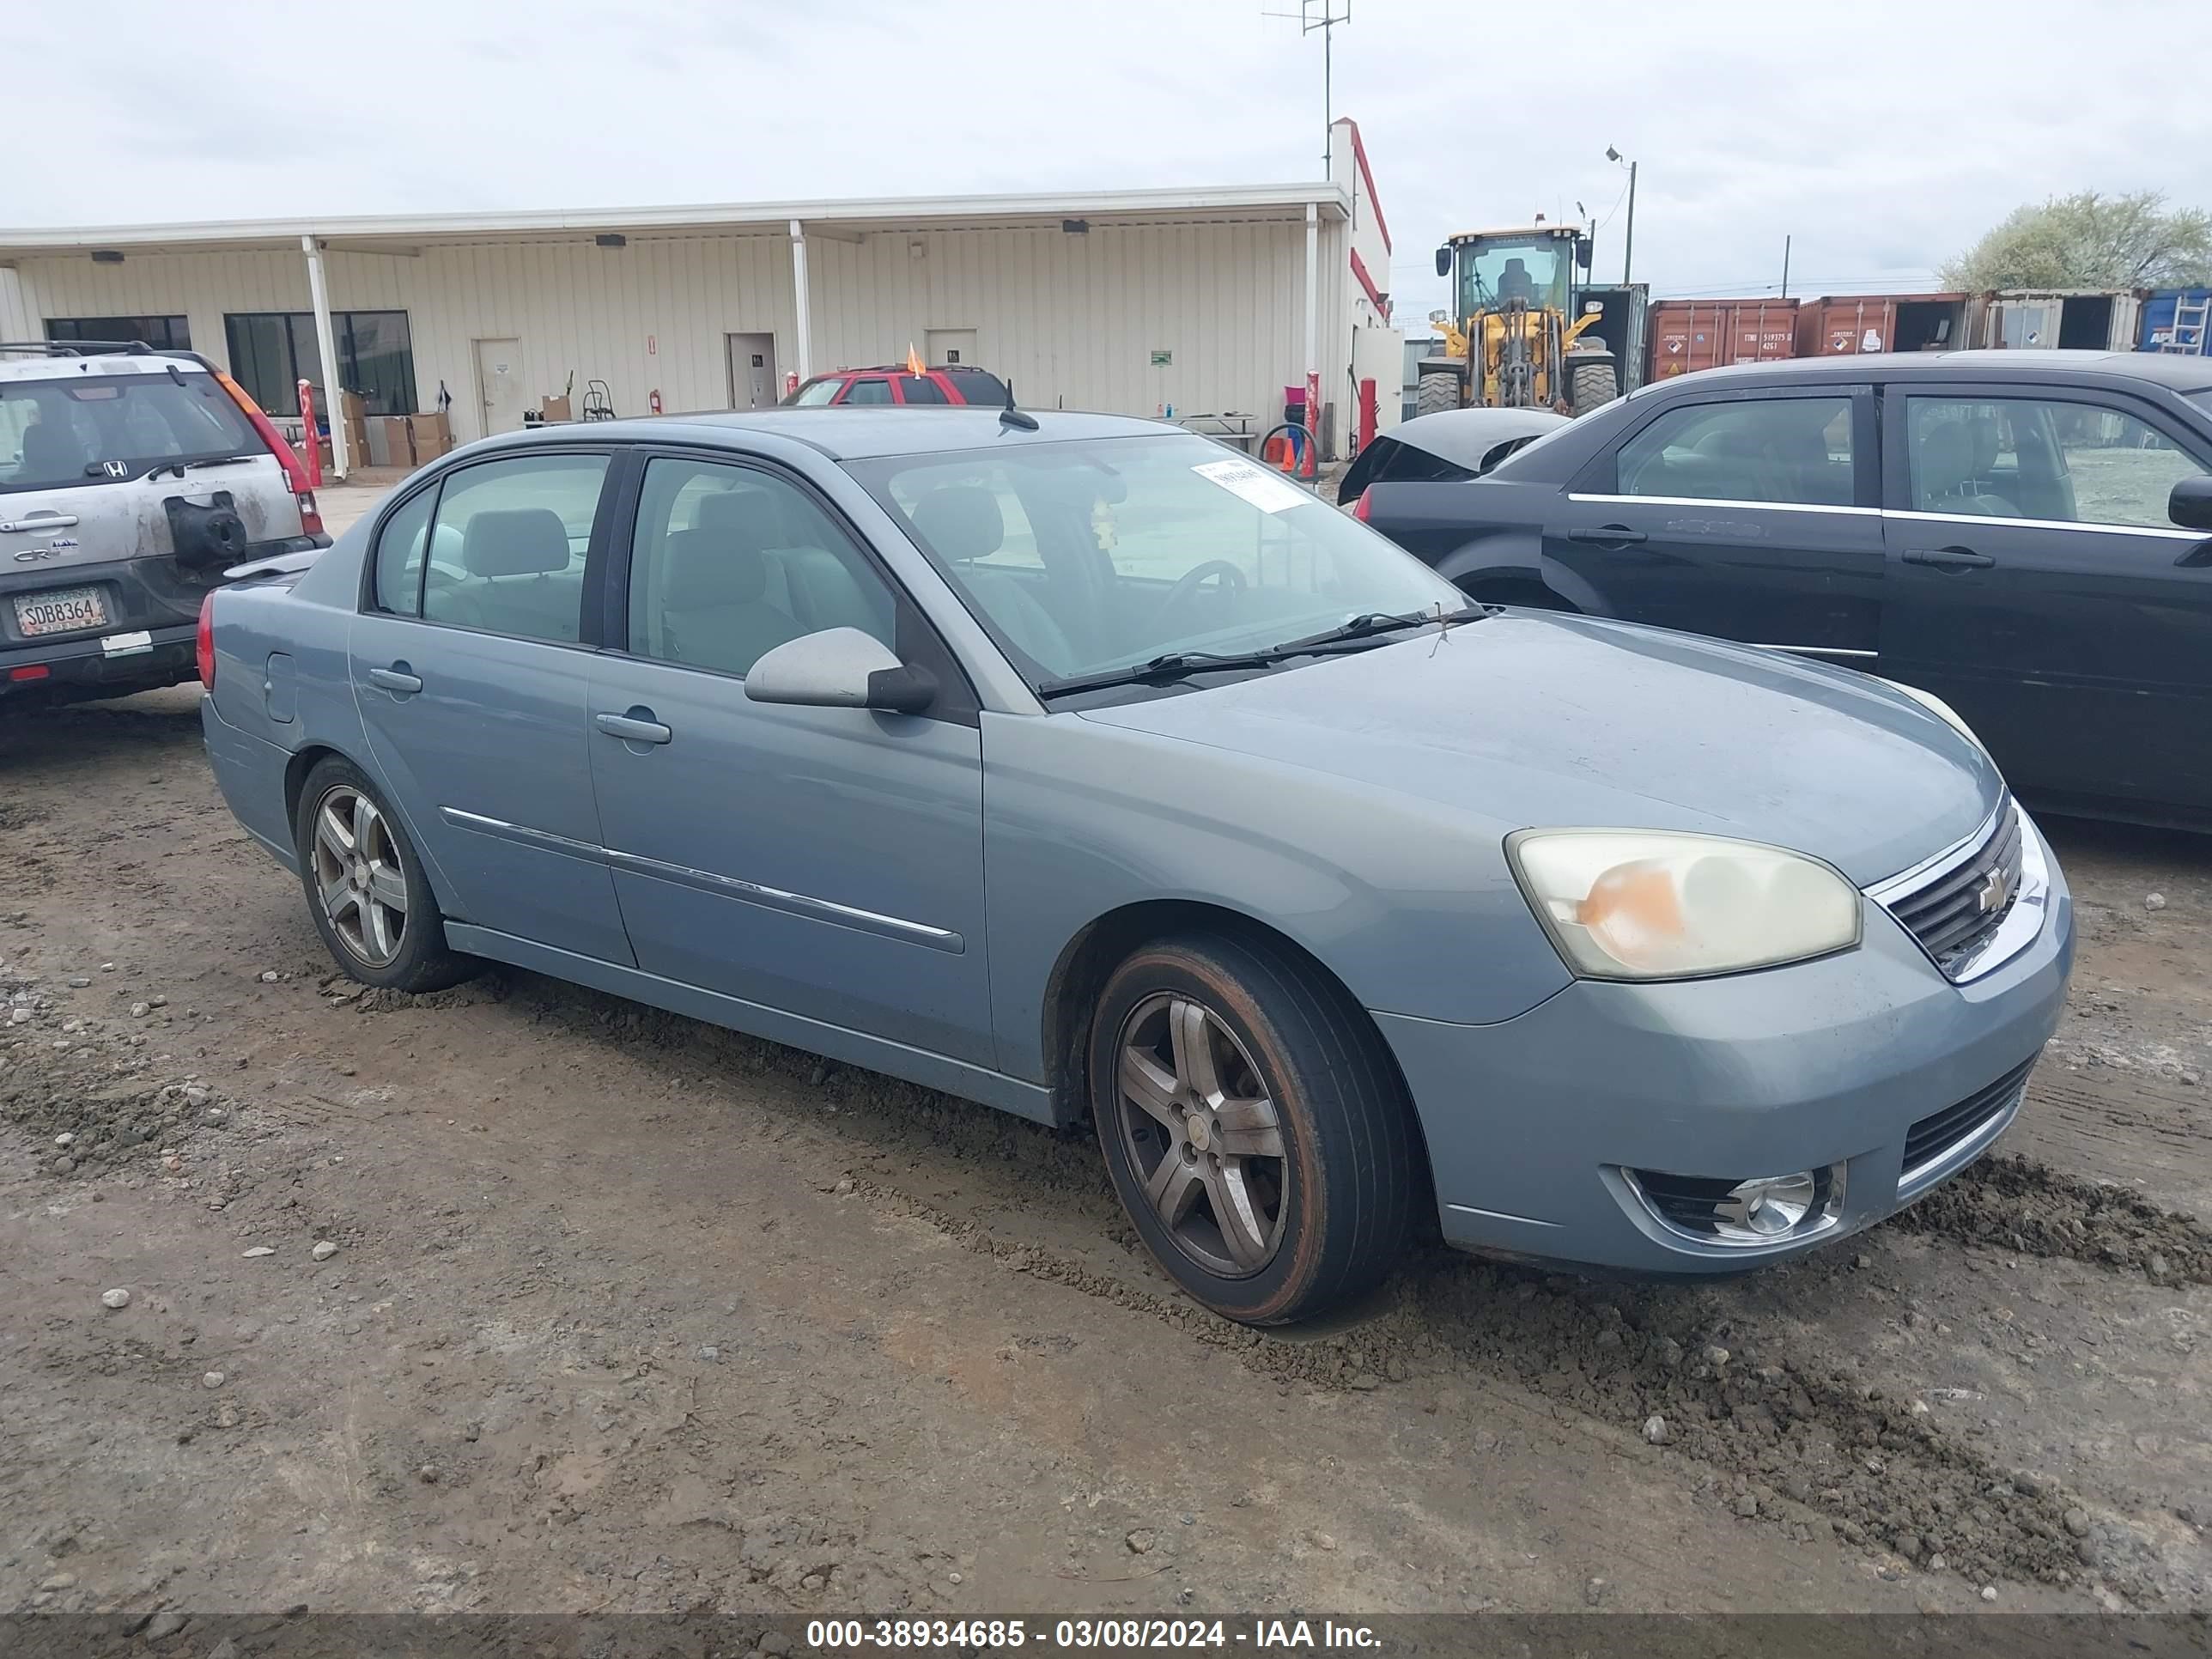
{"points": [[1435, 393], [1255, 1130], [1593, 386], [365, 889]]}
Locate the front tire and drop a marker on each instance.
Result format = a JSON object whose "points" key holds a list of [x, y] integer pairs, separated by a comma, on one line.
{"points": [[1434, 393], [1255, 1129], [365, 889], [1593, 386]]}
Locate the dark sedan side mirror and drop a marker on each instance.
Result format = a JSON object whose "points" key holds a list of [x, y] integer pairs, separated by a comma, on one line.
{"points": [[1443, 260], [840, 668], [2191, 504]]}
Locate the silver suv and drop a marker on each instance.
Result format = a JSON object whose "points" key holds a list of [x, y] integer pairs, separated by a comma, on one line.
{"points": [[133, 483]]}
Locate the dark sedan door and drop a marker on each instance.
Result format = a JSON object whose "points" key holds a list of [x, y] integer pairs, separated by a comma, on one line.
{"points": [[2038, 587], [1752, 516]]}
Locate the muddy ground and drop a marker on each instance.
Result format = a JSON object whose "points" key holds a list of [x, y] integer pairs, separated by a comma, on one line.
{"points": [[628, 1313]]}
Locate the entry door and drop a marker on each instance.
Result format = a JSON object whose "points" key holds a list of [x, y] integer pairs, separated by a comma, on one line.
{"points": [[752, 370], [951, 346], [469, 677], [824, 862], [499, 385], [2037, 586], [1753, 518]]}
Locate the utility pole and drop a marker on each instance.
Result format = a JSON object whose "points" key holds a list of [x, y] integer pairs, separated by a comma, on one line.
{"points": [[1785, 267], [1628, 244], [1322, 14]]}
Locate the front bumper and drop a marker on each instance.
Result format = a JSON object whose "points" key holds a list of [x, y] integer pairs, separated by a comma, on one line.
{"points": [[1535, 1123]]}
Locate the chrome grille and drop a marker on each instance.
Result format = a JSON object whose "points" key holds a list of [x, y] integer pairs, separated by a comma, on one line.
{"points": [[1955, 910]]}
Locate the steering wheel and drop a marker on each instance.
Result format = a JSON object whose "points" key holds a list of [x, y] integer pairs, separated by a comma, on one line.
{"points": [[1189, 581]]}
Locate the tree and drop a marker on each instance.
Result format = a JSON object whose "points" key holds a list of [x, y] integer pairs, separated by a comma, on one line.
{"points": [[2089, 241]]}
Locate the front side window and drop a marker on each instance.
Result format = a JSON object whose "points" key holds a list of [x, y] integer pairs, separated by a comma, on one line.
{"points": [[1081, 558], [2050, 458], [1796, 450], [507, 545], [83, 429], [728, 562], [873, 390]]}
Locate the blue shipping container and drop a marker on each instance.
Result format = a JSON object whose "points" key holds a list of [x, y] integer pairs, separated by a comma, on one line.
{"points": [[2158, 325]]}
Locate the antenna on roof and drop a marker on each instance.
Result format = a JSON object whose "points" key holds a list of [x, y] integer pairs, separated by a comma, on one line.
{"points": [[1015, 418]]}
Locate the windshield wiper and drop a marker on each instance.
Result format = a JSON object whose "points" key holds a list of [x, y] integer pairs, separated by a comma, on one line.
{"points": [[227, 460], [1175, 664]]}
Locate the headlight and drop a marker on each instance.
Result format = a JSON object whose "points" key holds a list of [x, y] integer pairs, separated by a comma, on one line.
{"points": [[1935, 706], [1657, 904]]}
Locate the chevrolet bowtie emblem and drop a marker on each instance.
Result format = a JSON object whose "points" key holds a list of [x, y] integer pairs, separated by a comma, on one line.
{"points": [[1995, 890]]}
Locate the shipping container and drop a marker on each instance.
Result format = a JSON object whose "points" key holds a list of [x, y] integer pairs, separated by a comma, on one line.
{"points": [[2177, 320], [1845, 324], [1687, 334], [1621, 311], [2069, 320]]}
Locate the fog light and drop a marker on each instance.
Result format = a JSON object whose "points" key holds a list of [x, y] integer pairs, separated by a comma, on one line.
{"points": [[1769, 1205]]}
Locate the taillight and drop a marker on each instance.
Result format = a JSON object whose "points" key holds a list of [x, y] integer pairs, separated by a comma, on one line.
{"points": [[295, 469], [204, 646], [311, 518], [1360, 508]]}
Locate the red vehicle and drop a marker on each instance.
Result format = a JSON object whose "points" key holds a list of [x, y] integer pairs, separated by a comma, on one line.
{"points": [[895, 383]]}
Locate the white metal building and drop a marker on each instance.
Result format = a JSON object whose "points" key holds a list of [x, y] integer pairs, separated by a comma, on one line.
{"points": [[1204, 301]]}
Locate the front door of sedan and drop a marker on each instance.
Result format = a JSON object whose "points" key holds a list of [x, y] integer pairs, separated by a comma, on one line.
{"points": [[1749, 516], [468, 670], [2037, 584], [824, 862]]}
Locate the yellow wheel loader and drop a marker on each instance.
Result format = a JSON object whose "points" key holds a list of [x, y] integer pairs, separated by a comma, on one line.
{"points": [[1518, 335]]}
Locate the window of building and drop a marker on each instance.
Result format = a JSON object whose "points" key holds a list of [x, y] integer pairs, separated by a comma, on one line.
{"points": [[272, 351], [162, 333], [507, 545]]}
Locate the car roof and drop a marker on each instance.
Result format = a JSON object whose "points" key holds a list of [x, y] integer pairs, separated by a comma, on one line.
{"points": [[900, 368], [2161, 369], [847, 434], [45, 366]]}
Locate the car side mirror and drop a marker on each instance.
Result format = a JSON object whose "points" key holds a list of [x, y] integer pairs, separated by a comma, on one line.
{"points": [[1443, 260], [840, 668], [2190, 505]]}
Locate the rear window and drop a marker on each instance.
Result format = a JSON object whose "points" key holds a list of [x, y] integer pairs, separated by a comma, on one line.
{"points": [[978, 386], [99, 429]]}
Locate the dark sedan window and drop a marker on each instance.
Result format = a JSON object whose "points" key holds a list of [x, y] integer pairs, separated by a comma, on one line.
{"points": [[2032, 457], [1769, 449]]}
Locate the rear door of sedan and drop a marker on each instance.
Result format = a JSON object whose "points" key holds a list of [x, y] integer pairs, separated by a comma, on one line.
{"points": [[2037, 585], [1751, 516], [823, 862]]}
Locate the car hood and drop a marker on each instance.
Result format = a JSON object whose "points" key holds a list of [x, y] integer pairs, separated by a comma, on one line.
{"points": [[1531, 719]]}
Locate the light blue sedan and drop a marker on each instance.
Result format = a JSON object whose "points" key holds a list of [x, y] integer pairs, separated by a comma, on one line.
{"points": [[1076, 765]]}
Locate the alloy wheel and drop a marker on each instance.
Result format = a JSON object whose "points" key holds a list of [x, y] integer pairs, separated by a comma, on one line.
{"points": [[359, 876], [1202, 1135]]}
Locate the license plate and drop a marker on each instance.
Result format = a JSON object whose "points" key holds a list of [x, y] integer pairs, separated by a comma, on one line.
{"points": [[62, 611]]}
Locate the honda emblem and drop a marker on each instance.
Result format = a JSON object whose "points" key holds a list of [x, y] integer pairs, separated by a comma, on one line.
{"points": [[114, 469]]}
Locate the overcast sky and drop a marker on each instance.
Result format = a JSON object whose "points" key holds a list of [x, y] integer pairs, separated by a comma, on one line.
{"points": [[1882, 136]]}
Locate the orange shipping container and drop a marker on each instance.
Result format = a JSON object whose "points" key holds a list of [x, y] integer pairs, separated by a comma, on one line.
{"points": [[1845, 324], [1687, 334]]}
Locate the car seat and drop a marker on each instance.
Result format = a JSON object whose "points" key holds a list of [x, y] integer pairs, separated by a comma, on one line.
{"points": [[962, 523], [519, 577], [803, 578], [1943, 472], [715, 610]]}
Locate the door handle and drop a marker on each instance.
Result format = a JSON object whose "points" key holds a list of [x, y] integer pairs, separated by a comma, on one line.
{"points": [[1948, 558], [632, 727], [1605, 535], [396, 678], [38, 521]]}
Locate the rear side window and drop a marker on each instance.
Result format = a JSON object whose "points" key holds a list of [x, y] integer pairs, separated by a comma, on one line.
{"points": [[1770, 449], [507, 545], [921, 389], [399, 547], [101, 429], [978, 386], [874, 391]]}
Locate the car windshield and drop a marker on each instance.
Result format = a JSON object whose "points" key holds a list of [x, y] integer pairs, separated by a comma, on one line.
{"points": [[1534, 270], [94, 430], [816, 392], [1083, 558]]}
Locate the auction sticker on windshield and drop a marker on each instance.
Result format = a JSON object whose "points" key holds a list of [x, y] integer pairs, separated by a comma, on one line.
{"points": [[1263, 489]]}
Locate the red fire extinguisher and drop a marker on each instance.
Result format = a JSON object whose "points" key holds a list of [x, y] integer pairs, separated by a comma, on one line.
{"points": [[655, 400]]}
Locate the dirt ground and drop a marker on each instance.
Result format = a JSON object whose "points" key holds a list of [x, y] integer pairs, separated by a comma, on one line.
{"points": [[627, 1313]]}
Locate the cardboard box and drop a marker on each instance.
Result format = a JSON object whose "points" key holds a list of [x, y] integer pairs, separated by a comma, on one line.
{"points": [[433, 435], [390, 443], [554, 408]]}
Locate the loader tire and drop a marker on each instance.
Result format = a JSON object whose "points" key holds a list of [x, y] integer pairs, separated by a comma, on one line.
{"points": [[1435, 393], [1594, 385]]}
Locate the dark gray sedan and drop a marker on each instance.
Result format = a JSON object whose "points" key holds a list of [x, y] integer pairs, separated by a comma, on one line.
{"points": [[1077, 765]]}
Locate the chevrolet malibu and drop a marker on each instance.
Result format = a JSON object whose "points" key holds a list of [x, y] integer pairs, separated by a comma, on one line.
{"points": [[1074, 765]]}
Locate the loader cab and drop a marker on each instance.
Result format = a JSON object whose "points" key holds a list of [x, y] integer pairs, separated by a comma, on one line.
{"points": [[1537, 265]]}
